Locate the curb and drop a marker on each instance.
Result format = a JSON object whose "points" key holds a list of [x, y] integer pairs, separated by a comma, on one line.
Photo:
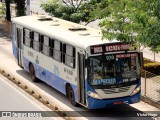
{"points": [[36, 95], [151, 102]]}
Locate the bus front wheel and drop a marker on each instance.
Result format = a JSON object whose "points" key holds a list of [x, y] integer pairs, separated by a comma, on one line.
{"points": [[32, 73], [71, 96]]}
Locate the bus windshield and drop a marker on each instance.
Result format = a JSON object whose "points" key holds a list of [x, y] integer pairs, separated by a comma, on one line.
{"points": [[113, 68]]}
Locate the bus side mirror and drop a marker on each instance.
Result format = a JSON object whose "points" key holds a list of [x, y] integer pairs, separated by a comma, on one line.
{"points": [[140, 55], [86, 62]]}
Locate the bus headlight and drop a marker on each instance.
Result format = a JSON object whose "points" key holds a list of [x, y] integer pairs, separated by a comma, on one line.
{"points": [[136, 90], [94, 95]]}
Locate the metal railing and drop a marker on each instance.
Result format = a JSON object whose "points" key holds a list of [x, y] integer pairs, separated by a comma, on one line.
{"points": [[150, 86]]}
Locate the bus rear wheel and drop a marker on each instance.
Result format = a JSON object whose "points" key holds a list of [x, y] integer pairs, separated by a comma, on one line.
{"points": [[32, 73], [71, 96]]}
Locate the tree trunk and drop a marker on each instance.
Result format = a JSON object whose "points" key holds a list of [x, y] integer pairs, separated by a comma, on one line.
{"points": [[8, 13]]}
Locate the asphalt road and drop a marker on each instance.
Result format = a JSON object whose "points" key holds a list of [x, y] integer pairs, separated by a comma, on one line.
{"points": [[13, 99]]}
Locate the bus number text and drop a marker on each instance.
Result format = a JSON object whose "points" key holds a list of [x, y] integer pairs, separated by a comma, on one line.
{"points": [[68, 71]]}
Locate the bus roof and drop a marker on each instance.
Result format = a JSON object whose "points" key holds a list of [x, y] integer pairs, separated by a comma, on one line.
{"points": [[62, 30]]}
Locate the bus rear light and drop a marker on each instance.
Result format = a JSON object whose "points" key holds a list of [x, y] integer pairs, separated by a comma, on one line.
{"points": [[94, 95], [117, 102], [136, 90]]}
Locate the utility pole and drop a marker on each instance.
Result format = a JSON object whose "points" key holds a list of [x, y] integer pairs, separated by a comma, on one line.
{"points": [[28, 7], [8, 13]]}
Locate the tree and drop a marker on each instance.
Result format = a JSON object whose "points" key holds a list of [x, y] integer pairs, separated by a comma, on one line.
{"points": [[74, 10], [153, 31], [3, 10], [95, 9], [63, 9], [8, 13], [133, 21], [20, 7]]}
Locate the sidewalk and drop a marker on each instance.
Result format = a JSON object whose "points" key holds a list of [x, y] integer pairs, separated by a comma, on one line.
{"points": [[150, 55], [1, 35]]}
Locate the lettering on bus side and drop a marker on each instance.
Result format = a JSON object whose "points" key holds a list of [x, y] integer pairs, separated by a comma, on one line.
{"points": [[37, 60], [70, 72], [56, 70], [30, 54]]}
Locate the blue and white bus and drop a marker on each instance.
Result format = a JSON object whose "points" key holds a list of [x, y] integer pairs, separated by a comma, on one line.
{"points": [[74, 59]]}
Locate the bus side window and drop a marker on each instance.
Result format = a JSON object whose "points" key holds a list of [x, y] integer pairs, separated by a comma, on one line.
{"points": [[27, 37], [36, 41], [46, 45], [69, 55], [57, 50]]}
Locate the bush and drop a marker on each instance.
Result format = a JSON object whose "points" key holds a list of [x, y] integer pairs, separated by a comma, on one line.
{"points": [[152, 66]]}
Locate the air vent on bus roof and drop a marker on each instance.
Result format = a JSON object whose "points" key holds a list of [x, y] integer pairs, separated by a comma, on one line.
{"points": [[96, 35], [55, 24], [55, 20], [45, 18], [84, 34], [77, 28]]}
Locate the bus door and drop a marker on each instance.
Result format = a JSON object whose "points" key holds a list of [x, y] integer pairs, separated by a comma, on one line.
{"points": [[19, 39], [81, 82]]}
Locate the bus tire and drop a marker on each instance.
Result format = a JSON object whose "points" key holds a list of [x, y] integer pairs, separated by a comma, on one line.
{"points": [[71, 96], [32, 73]]}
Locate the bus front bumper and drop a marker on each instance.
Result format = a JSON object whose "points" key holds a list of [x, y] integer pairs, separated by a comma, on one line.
{"points": [[106, 103]]}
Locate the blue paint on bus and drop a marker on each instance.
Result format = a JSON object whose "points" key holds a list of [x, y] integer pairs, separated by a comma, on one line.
{"points": [[14, 48], [105, 103], [95, 103], [60, 83], [51, 79]]}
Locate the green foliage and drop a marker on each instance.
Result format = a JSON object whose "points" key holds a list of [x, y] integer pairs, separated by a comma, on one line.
{"points": [[133, 21], [12, 1], [95, 9], [20, 7], [57, 9], [74, 10], [2, 10], [145, 60], [152, 66]]}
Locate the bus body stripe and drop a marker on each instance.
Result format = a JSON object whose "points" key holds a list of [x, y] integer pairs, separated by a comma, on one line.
{"points": [[51, 79]]}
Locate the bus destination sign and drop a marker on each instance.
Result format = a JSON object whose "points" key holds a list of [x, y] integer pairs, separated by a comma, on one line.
{"points": [[109, 48]]}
